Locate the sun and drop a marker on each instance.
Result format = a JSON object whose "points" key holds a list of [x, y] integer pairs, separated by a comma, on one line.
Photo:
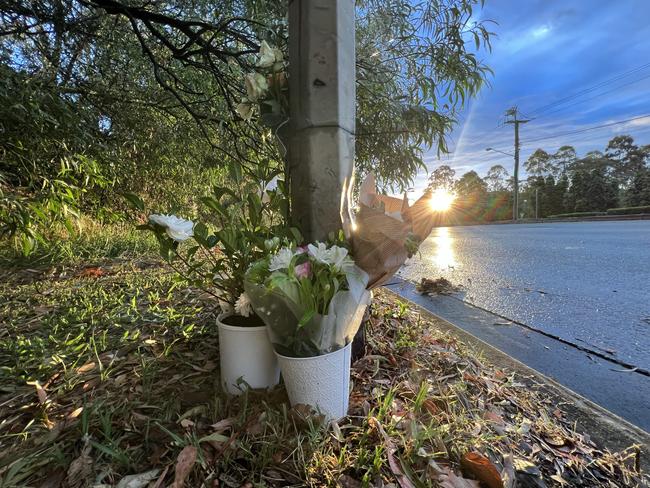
{"points": [[441, 200]]}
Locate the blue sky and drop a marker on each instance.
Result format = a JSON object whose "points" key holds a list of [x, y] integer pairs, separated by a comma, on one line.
{"points": [[545, 51]]}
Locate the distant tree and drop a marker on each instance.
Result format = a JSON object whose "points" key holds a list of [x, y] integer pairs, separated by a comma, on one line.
{"points": [[628, 158], [497, 178], [555, 197], [594, 160], [538, 163], [470, 183], [563, 161], [592, 191], [639, 191], [442, 177]]}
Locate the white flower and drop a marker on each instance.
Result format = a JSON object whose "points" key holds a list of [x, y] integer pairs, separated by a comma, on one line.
{"points": [[338, 257], [244, 110], [178, 229], [335, 256], [266, 56], [281, 260], [243, 305], [319, 252], [256, 86], [225, 306]]}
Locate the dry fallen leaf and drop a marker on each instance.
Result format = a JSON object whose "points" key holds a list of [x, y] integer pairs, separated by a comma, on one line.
{"points": [[81, 469], [161, 479], [86, 367], [447, 479], [431, 407], [508, 472], [223, 424], [40, 391], [91, 272], [481, 468], [184, 463], [138, 480]]}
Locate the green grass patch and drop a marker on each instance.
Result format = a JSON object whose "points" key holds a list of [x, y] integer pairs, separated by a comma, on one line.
{"points": [[112, 371], [91, 241]]}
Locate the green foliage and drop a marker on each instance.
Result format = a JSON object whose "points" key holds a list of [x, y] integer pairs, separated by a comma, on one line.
{"points": [[644, 209], [591, 191], [639, 191], [92, 241], [577, 214], [417, 66], [236, 221], [442, 177], [28, 215]]}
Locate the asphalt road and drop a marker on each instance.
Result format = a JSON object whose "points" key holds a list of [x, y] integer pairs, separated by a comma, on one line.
{"points": [[587, 283]]}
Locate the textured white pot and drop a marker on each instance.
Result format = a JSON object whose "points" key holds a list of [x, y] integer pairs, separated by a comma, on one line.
{"points": [[245, 353], [322, 381]]}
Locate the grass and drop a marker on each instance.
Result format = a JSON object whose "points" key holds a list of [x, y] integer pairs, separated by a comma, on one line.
{"points": [[112, 370], [92, 241]]}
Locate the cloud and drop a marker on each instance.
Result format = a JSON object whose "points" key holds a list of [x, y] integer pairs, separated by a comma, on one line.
{"points": [[545, 53]]}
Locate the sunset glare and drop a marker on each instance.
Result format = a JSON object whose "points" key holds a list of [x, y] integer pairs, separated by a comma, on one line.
{"points": [[441, 200]]}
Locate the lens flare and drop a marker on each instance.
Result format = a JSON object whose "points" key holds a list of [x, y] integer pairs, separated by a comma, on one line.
{"points": [[441, 200]]}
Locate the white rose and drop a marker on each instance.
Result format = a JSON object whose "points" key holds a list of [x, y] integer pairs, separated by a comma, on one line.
{"points": [[281, 260], [178, 229], [266, 57], [244, 110], [243, 305], [256, 85]]}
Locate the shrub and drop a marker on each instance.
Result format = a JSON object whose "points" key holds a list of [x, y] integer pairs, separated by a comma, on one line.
{"points": [[576, 214], [629, 210]]}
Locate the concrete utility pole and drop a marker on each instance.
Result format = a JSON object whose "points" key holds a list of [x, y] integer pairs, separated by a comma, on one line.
{"points": [[512, 117], [322, 111]]}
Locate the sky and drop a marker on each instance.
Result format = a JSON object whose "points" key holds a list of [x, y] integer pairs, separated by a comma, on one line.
{"points": [[545, 51]]}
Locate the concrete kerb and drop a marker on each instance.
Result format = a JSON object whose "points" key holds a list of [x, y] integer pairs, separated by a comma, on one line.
{"points": [[604, 427]]}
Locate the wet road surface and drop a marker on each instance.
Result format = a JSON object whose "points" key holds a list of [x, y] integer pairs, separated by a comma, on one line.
{"points": [[587, 283]]}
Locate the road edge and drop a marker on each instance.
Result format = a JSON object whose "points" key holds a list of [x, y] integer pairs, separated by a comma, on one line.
{"points": [[604, 427]]}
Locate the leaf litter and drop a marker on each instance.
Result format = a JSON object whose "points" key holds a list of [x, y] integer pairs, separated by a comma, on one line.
{"points": [[114, 382]]}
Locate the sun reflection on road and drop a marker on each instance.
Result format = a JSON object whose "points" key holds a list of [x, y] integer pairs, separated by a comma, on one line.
{"points": [[444, 256]]}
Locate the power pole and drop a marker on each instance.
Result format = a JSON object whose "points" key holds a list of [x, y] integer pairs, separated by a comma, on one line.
{"points": [[322, 111], [512, 117]]}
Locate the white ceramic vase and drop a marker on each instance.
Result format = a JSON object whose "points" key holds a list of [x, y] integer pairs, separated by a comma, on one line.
{"points": [[321, 381], [247, 358]]}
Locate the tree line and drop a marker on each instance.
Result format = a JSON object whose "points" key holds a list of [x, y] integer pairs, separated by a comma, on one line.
{"points": [[557, 183]]}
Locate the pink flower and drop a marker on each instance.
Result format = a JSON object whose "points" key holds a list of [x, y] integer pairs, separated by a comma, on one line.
{"points": [[301, 250], [303, 270]]}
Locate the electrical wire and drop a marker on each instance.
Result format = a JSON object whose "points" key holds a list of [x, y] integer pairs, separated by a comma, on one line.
{"points": [[609, 81], [579, 131]]}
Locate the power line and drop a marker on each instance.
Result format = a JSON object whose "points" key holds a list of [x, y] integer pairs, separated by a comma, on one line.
{"points": [[586, 129], [594, 97], [614, 79]]}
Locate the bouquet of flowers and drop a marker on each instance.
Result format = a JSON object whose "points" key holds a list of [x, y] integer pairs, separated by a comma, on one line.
{"points": [[311, 298], [384, 231]]}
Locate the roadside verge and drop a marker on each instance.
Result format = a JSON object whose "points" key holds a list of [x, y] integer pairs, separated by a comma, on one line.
{"points": [[605, 427]]}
